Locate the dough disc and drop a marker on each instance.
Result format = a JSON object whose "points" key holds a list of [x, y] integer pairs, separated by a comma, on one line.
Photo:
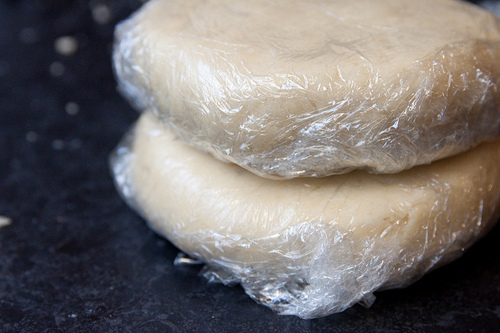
{"points": [[312, 88], [308, 246]]}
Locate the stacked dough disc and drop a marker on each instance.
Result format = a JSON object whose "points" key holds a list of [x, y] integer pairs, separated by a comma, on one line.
{"points": [[332, 107]]}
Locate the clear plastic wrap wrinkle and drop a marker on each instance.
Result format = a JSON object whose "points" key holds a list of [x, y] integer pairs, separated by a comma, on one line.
{"points": [[308, 246], [303, 88]]}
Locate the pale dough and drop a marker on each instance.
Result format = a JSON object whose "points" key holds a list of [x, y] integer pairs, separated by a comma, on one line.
{"points": [[311, 88], [313, 246]]}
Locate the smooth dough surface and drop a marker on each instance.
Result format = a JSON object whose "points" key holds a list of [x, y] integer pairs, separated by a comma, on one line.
{"points": [[309, 246], [312, 88]]}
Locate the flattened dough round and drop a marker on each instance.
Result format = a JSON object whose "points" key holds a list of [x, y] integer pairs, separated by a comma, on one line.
{"points": [[309, 246], [312, 88]]}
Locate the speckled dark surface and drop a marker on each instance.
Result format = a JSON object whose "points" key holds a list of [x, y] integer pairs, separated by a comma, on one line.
{"points": [[75, 258]]}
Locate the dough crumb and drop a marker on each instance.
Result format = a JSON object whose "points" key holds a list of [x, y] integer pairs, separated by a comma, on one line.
{"points": [[72, 108], [66, 45], [5, 221], [101, 14], [58, 144], [31, 136], [56, 69]]}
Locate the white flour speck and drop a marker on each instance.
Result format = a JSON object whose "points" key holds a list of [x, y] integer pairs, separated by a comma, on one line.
{"points": [[5, 221], [31, 136], [56, 69], [101, 14], [72, 108], [58, 144], [66, 45]]}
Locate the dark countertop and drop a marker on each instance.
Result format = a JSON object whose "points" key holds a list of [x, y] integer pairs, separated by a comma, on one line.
{"points": [[75, 258]]}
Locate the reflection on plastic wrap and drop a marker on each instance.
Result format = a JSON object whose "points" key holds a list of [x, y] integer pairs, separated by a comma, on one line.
{"points": [[308, 246], [314, 88]]}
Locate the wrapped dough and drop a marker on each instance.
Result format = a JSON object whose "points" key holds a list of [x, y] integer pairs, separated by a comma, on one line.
{"points": [[312, 88], [308, 246]]}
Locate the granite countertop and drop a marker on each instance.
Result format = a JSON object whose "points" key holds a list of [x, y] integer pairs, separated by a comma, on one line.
{"points": [[75, 258]]}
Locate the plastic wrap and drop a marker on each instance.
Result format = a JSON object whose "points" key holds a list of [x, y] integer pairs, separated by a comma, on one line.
{"points": [[308, 246], [313, 88]]}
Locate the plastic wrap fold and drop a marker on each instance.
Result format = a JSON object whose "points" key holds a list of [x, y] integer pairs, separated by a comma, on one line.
{"points": [[294, 88], [308, 246]]}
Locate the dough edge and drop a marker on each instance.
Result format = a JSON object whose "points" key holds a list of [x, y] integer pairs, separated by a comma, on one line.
{"points": [[304, 263], [275, 145]]}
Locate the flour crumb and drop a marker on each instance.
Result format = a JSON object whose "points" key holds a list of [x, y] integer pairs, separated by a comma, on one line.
{"points": [[56, 69], [5, 221], [66, 45], [57, 144], [101, 14], [31, 136], [72, 108]]}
